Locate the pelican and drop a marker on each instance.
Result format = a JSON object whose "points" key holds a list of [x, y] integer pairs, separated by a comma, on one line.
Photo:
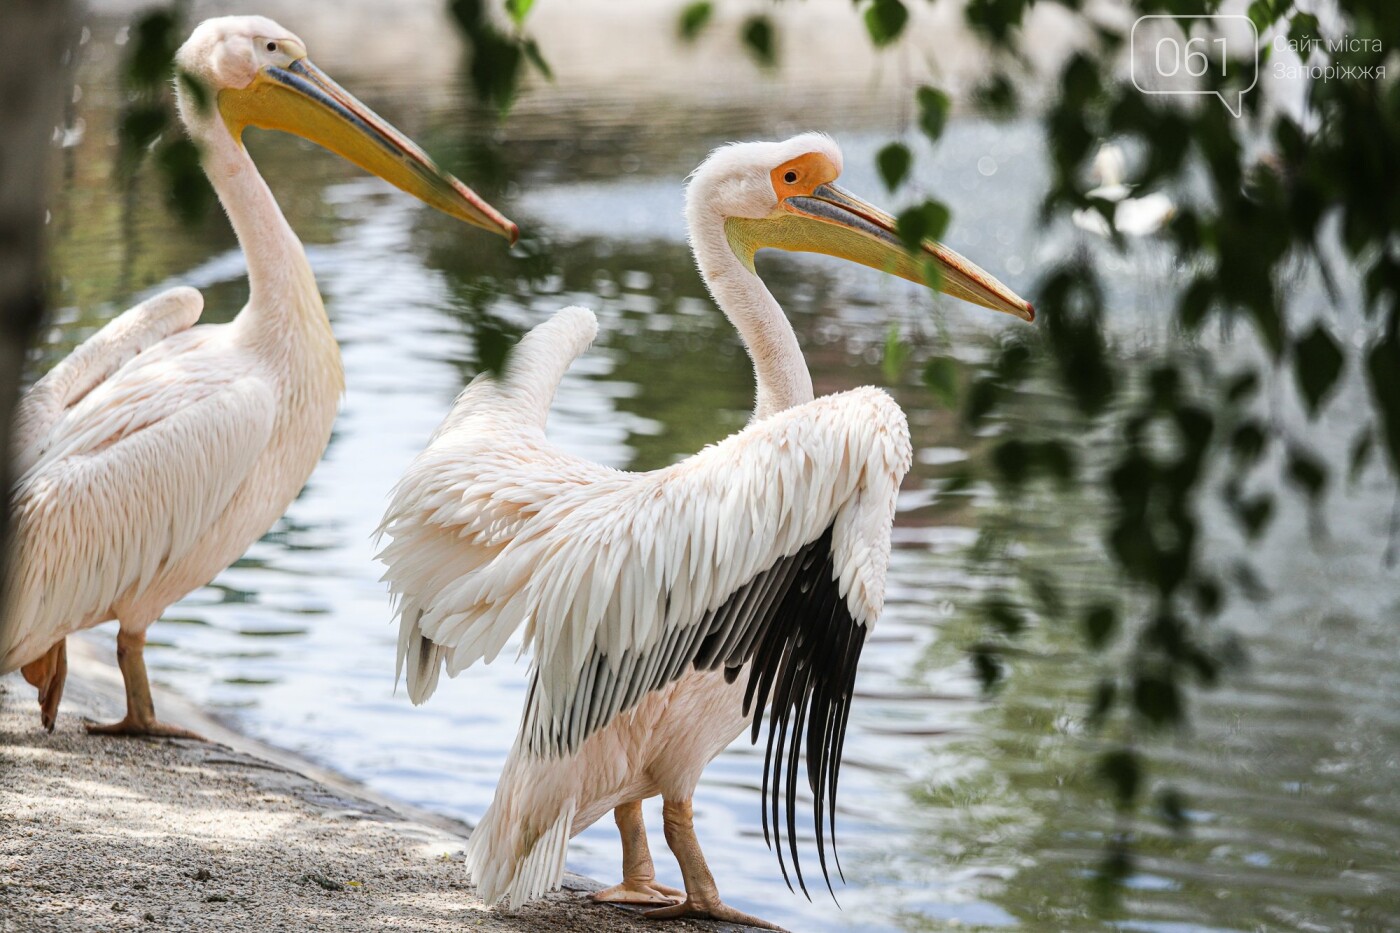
{"points": [[158, 451], [667, 611]]}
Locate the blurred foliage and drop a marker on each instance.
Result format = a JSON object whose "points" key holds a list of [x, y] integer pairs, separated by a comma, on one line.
{"points": [[149, 125]]}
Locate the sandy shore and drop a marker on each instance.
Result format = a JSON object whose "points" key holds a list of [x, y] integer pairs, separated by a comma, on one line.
{"points": [[112, 834]]}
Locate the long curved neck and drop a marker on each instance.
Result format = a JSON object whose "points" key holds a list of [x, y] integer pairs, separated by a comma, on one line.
{"points": [[780, 371], [281, 287]]}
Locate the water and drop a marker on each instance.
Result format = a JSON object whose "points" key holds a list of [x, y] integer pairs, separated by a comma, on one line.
{"points": [[955, 810]]}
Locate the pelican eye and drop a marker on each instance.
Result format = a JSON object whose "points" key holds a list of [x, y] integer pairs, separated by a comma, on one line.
{"points": [[272, 46], [790, 177]]}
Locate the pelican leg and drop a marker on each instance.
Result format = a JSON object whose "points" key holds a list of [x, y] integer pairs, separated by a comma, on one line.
{"points": [[140, 718], [48, 674], [639, 885], [701, 896]]}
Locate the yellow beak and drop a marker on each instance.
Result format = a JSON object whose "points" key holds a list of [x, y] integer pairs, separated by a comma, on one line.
{"points": [[836, 223], [301, 99]]}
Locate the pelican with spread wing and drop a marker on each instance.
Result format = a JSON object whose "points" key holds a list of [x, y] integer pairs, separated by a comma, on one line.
{"points": [[158, 451], [668, 611]]}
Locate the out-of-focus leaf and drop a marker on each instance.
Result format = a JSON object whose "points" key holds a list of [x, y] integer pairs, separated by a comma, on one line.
{"points": [[894, 161], [997, 95], [1317, 362], [1361, 449], [519, 10], [885, 20], [187, 187], [694, 18], [896, 355], [926, 221], [1172, 807], [758, 37], [1242, 388], [982, 397], [1055, 460], [533, 54], [1248, 442], [1012, 460], [154, 41], [1005, 617], [1307, 472], [941, 378], [987, 668], [1254, 514], [1120, 768], [1156, 698], [1100, 622], [142, 125], [933, 111], [1105, 694]]}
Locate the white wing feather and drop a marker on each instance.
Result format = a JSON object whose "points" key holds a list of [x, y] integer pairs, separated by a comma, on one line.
{"points": [[149, 443], [495, 530]]}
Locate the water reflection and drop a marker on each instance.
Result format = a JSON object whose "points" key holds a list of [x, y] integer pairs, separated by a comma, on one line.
{"points": [[954, 809]]}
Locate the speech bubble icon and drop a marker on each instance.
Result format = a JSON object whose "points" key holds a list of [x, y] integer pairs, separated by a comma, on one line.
{"points": [[1184, 54]]}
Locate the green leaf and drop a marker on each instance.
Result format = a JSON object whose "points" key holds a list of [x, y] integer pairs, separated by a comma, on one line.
{"points": [[982, 397], [1242, 388], [894, 161], [694, 18], [536, 58], [1012, 460], [987, 668], [1100, 622], [926, 221], [757, 34], [933, 111], [1254, 514], [187, 187], [1156, 698], [518, 10], [1248, 442], [1307, 472], [1121, 770], [896, 355], [1317, 362], [1105, 693], [885, 20], [1172, 807], [1005, 617], [941, 378], [1361, 449]]}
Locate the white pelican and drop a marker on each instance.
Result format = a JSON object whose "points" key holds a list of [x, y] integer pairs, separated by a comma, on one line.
{"points": [[152, 456], [667, 610]]}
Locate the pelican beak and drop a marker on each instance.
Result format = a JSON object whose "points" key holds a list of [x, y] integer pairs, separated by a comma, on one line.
{"points": [[302, 99], [832, 221]]}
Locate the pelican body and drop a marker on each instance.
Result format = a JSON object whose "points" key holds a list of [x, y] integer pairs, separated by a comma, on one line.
{"points": [[668, 611], [158, 451]]}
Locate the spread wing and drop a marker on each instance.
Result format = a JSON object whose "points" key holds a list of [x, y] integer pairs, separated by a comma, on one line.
{"points": [[130, 479], [768, 550]]}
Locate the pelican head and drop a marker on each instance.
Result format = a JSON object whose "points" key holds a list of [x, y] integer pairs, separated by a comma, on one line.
{"points": [[784, 196], [249, 71]]}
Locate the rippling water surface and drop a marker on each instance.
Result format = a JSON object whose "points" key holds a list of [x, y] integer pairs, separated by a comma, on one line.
{"points": [[955, 810]]}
